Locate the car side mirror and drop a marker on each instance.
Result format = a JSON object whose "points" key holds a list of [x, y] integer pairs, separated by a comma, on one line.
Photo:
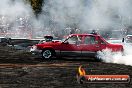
{"points": [[65, 42], [123, 40]]}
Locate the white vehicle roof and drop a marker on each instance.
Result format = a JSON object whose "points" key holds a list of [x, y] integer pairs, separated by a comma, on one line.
{"points": [[129, 35]]}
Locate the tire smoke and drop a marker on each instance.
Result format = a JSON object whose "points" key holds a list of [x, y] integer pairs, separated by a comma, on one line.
{"points": [[110, 57]]}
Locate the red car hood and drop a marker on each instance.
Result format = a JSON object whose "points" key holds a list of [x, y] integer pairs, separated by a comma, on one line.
{"points": [[52, 43]]}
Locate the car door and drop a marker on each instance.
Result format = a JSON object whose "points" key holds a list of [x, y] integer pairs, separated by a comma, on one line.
{"points": [[71, 46], [90, 46], [102, 43]]}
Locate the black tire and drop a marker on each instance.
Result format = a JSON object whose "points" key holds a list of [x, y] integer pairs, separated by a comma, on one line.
{"points": [[47, 54], [97, 58]]}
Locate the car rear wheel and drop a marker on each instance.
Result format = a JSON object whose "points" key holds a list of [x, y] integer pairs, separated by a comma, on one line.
{"points": [[47, 54], [98, 58]]}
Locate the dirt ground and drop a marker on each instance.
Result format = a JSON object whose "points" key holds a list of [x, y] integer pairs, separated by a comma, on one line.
{"points": [[19, 69]]}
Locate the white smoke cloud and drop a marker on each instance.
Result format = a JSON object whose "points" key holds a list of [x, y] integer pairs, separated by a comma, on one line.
{"points": [[109, 14], [15, 8], [14, 18], [62, 13], [110, 57], [87, 14]]}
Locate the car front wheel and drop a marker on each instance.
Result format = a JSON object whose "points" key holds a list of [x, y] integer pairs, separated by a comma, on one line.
{"points": [[47, 54]]}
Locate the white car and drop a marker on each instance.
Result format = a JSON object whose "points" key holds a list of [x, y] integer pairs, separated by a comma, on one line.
{"points": [[128, 39]]}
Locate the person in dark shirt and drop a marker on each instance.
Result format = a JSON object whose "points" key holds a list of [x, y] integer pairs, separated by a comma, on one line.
{"points": [[48, 38], [94, 32]]}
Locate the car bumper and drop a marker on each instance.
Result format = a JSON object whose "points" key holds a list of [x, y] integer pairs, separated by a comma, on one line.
{"points": [[35, 51]]}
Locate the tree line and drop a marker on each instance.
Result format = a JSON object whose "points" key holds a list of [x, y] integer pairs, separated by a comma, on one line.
{"points": [[36, 5]]}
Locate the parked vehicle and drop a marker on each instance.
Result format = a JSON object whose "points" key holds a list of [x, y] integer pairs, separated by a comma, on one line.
{"points": [[4, 41], [78, 45], [128, 39], [22, 43]]}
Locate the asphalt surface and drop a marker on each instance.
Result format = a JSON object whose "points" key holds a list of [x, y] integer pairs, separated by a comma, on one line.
{"points": [[19, 69]]}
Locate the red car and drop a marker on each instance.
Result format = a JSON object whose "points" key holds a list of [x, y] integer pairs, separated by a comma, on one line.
{"points": [[78, 45]]}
